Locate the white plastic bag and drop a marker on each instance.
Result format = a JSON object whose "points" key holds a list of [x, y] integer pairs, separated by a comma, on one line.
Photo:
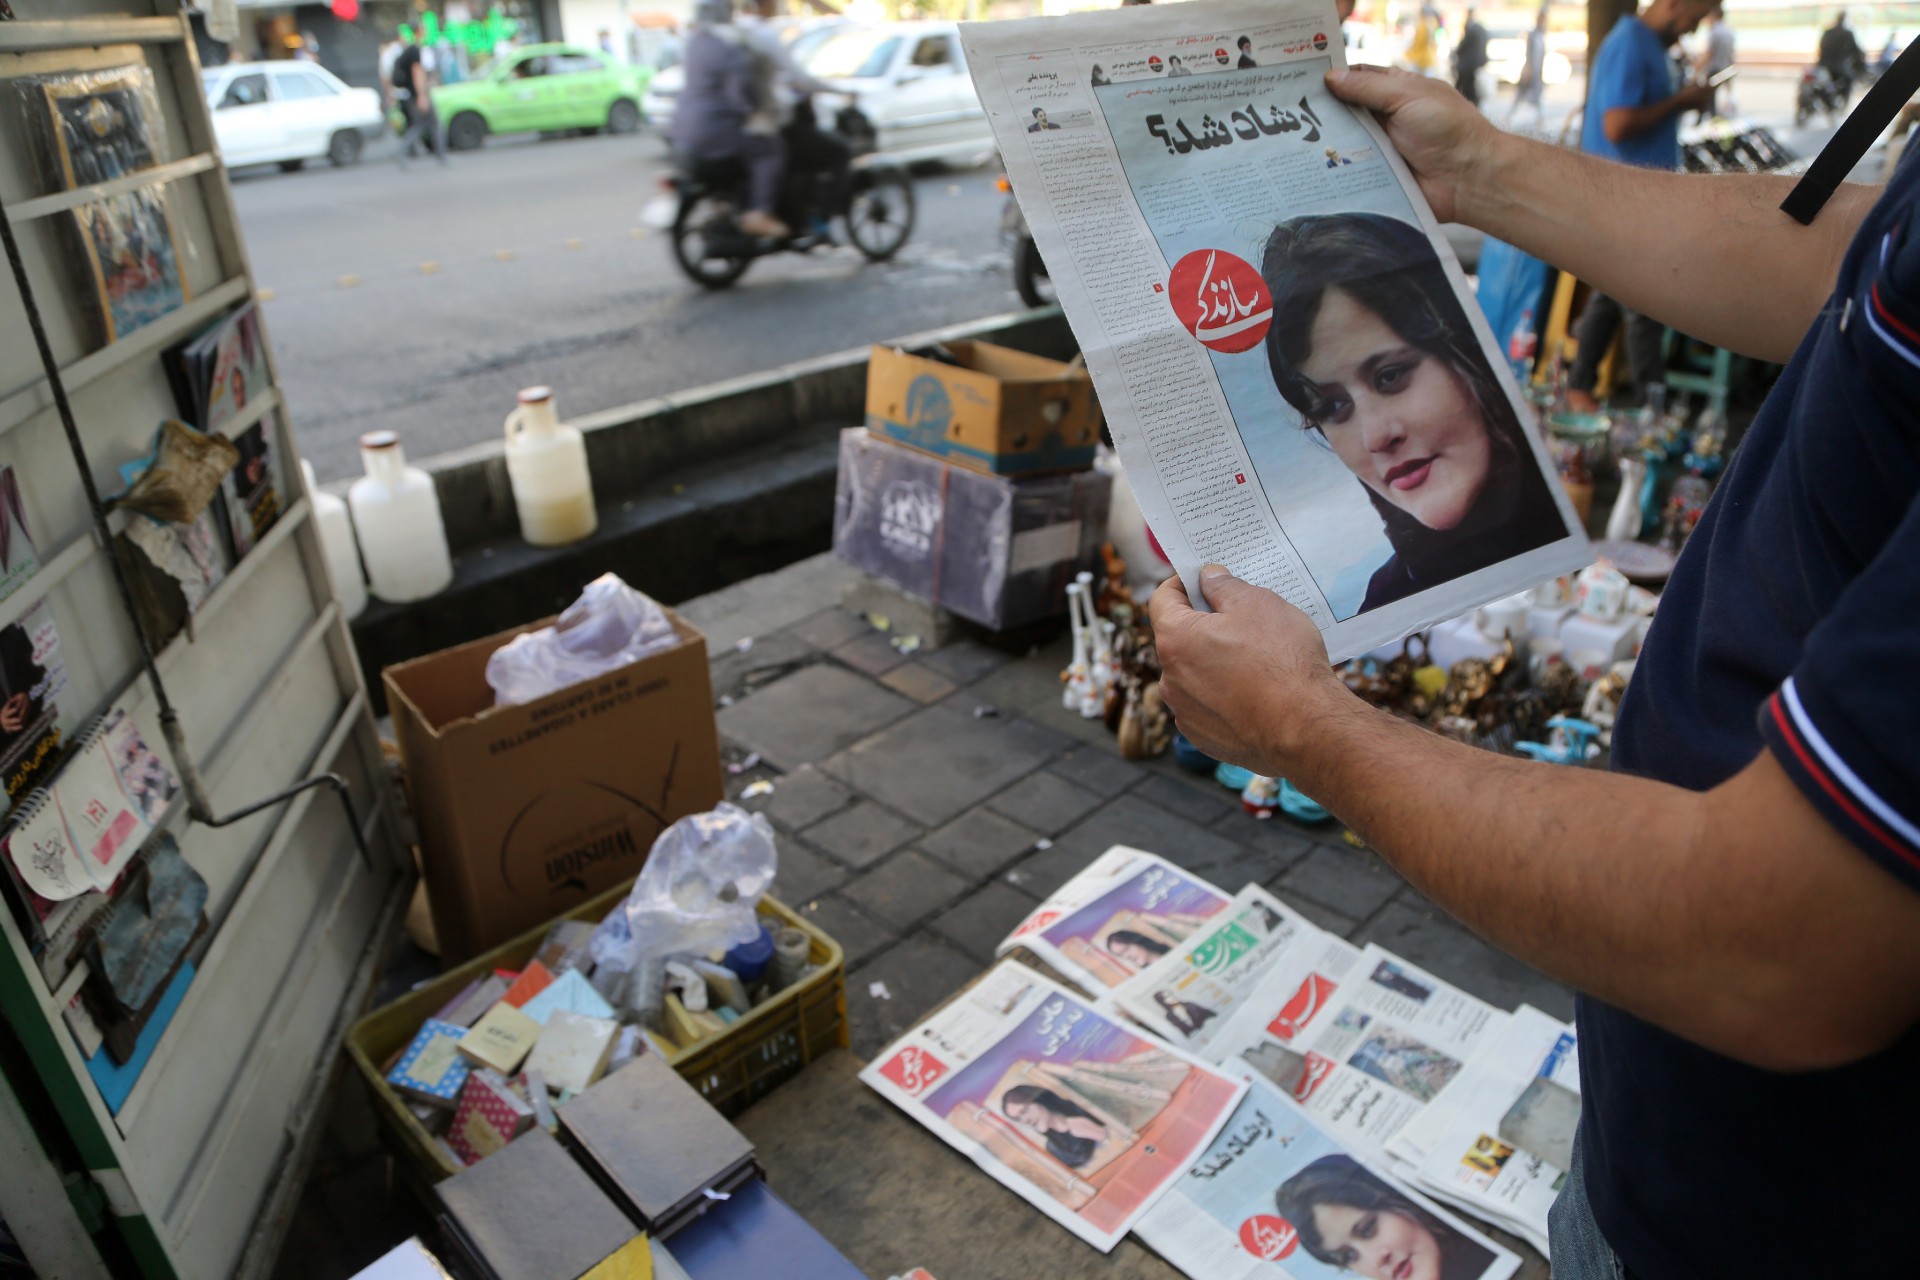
{"points": [[696, 894], [609, 626]]}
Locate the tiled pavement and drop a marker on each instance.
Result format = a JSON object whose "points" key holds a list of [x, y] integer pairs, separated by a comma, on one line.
{"points": [[927, 802]]}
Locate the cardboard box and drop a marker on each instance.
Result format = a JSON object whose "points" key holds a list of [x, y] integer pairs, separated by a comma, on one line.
{"points": [[1005, 413], [997, 551], [527, 811]]}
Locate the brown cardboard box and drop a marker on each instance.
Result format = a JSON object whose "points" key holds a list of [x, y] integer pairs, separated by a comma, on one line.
{"points": [[1006, 413], [527, 811]]}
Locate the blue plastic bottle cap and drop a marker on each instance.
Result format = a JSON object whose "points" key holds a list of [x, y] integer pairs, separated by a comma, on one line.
{"points": [[749, 960]]}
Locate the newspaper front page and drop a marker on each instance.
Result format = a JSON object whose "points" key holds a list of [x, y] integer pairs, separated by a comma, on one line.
{"points": [[1087, 1119], [1126, 910], [1363, 1042], [1296, 376], [1187, 995], [1275, 1197]]}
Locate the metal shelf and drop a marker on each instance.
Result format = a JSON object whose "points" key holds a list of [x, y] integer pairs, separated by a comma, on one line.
{"points": [[85, 33], [61, 201]]}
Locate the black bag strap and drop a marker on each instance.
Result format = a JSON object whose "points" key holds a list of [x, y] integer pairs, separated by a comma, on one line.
{"points": [[1836, 160]]}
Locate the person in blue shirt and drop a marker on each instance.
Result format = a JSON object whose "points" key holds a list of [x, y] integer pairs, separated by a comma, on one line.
{"points": [[1634, 104], [1738, 899]]}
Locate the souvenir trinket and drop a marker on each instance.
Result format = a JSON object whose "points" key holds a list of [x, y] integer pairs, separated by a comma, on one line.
{"points": [[1261, 798]]}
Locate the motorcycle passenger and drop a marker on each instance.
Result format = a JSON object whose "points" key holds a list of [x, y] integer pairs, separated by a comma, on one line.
{"points": [[810, 149], [1841, 56], [722, 111]]}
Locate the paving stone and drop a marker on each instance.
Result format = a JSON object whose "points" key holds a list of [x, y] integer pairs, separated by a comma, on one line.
{"points": [[1354, 882], [979, 922], [920, 974], [769, 603], [1201, 800], [905, 888], [1100, 771], [1437, 943], [1031, 686], [1326, 917], [1282, 842], [804, 875], [736, 674], [830, 628], [872, 654], [964, 661], [858, 934], [1046, 802], [811, 714], [1131, 821], [918, 681], [978, 843], [936, 764], [861, 834], [801, 798]]}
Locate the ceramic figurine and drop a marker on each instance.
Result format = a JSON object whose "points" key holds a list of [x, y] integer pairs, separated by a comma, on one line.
{"points": [[1115, 600], [1601, 591], [1603, 699], [1261, 797], [1623, 524], [1569, 741]]}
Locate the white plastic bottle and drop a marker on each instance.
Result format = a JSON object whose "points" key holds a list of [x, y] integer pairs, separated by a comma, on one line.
{"points": [[547, 465], [338, 545], [397, 512]]}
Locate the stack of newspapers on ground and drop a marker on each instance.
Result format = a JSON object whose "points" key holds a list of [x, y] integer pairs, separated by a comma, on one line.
{"points": [[1250, 1095]]}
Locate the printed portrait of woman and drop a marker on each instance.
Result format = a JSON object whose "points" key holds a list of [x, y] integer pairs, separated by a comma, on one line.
{"points": [[1072, 1132], [1348, 1218], [1371, 347], [1135, 947]]}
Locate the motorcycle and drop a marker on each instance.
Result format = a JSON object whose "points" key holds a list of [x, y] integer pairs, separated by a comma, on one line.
{"points": [[1819, 91], [1030, 276], [713, 251]]}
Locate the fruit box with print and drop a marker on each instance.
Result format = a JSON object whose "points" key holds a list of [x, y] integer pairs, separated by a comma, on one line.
{"points": [[998, 411], [527, 811]]}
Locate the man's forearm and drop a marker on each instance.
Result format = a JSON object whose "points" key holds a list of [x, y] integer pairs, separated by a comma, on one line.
{"points": [[1712, 256]]}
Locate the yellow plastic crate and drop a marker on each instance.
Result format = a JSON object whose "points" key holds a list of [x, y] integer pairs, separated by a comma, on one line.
{"points": [[732, 1070]]}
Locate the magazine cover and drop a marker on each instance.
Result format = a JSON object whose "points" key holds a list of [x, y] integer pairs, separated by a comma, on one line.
{"points": [[1294, 369], [1088, 1119], [102, 124], [1275, 1197], [33, 675], [1186, 995], [217, 375], [134, 258], [1128, 909], [1364, 1043], [19, 559]]}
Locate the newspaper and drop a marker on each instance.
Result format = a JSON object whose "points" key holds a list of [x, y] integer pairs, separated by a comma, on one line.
{"points": [[1363, 1042], [1296, 376], [1499, 1144], [1277, 1198], [1125, 911], [1187, 995], [1087, 1119]]}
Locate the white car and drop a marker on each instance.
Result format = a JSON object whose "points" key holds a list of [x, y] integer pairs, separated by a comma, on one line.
{"points": [[288, 113], [1507, 55]]}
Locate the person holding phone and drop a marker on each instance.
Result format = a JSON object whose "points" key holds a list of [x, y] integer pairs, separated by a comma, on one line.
{"points": [[1716, 65]]}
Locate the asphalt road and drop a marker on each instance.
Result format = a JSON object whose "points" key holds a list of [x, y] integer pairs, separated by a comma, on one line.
{"points": [[422, 300]]}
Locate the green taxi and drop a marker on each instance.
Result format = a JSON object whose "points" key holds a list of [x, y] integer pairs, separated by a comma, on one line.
{"points": [[544, 88]]}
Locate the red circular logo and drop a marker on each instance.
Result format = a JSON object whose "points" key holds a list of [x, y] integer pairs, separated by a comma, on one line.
{"points": [[1220, 56], [1320, 40], [1221, 300], [1153, 63], [1268, 1238]]}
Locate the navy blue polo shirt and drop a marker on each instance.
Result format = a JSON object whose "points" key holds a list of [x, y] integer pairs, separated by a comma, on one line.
{"points": [[1791, 625], [1632, 69]]}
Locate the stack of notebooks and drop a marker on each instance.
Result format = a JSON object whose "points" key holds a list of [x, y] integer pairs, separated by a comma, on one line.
{"points": [[656, 1146], [531, 1213]]}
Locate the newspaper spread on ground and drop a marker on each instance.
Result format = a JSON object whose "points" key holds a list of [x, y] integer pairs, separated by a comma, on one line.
{"points": [[1275, 1197], [1499, 1143], [1127, 909], [1297, 379], [1187, 995], [1363, 1043], [1088, 1119]]}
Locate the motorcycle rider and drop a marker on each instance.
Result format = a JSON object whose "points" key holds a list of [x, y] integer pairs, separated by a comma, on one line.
{"points": [[723, 114], [1841, 56], [810, 149]]}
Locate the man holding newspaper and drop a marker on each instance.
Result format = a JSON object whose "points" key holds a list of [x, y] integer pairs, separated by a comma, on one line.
{"points": [[1740, 900]]}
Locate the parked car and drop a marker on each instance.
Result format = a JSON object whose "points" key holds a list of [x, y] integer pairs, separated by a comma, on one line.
{"points": [[288, 113], [803, 36], [911, 80], [544, 88], [1507, 54]]}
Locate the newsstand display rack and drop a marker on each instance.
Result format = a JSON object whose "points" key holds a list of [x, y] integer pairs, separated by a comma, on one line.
{"points": [[195, 1172]]}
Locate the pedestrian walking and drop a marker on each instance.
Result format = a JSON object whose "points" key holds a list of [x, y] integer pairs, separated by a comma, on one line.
{"points": [[1716, 58], [1469, 56], [1528, 91], [412, 82]]}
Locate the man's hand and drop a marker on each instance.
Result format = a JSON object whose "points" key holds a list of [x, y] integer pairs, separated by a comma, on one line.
{"points": [[1442, 137], [1244, 681]]}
